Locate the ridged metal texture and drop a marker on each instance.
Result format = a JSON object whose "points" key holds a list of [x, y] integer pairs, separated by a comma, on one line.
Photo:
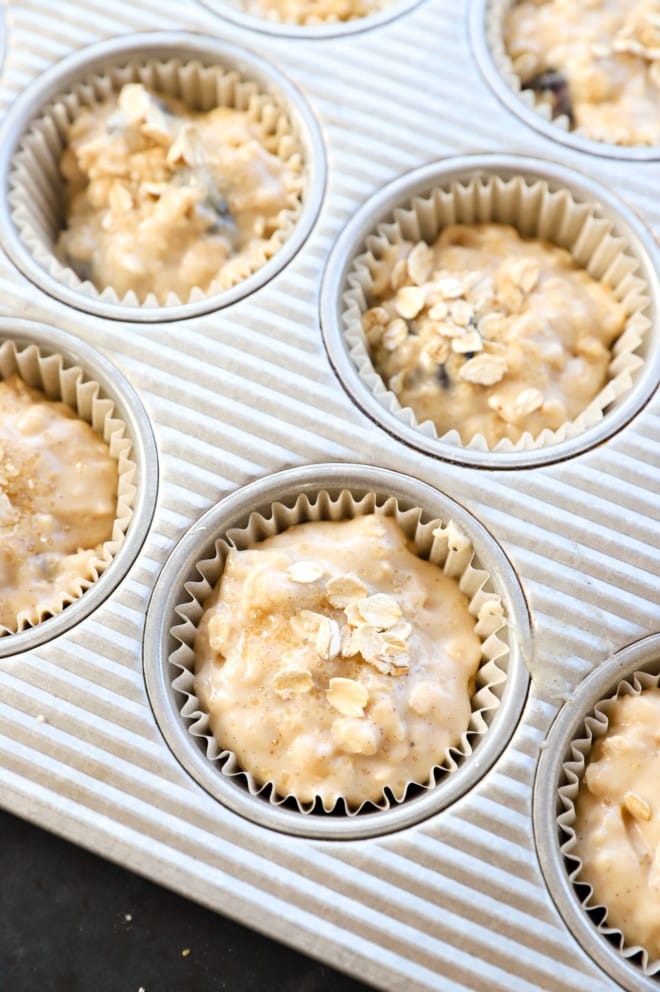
{"points": [[455, 903]]}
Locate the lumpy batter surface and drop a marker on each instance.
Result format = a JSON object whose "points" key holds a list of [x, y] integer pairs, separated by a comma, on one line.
{"points": [[334, 662], [490, 333], [162, 200], [618, 820], [597, 61], [58, 497], [312, 11]]}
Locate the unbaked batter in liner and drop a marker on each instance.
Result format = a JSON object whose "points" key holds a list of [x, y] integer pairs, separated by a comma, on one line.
{"points": [[335, 663]]}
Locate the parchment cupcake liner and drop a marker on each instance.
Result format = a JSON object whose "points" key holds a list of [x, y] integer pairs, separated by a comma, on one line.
{"points": [[69, 384], [36, 192], [536, 208], [595, 726], [487, 26], [451, 549]]}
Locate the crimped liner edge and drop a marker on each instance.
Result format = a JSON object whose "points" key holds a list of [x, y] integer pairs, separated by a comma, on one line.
{"points": [[36, 194], [537, 210]]}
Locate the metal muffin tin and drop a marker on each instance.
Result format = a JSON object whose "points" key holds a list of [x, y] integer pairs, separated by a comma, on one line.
{"points": [[234, 511], [643, 656], [456, 902]]}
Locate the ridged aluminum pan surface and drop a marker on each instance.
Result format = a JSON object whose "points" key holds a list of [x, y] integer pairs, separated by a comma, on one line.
{"points": [[457, 902]]}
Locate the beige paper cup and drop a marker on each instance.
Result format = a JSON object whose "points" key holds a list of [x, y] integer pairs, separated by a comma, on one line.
{"points": [[477, 190], [203, 74], [596, 725], [461, 547], [70, 385], [450, 549]]}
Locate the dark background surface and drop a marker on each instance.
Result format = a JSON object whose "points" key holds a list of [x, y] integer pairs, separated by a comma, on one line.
{"points": [[72, 922]]}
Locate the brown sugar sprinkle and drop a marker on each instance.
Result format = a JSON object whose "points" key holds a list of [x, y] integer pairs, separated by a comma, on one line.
{"points": [[20, 481], [23, 486]]}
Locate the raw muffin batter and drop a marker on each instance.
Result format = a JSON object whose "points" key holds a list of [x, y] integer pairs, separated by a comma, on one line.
{"points": [[335, 662], [490, 333], [311, 11], [596, 61], [162, 200], [58, 497], [618, 820]]}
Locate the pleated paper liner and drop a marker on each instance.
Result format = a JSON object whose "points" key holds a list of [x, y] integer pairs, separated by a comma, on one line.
{"points": [[494, 14], [451, 550], [536, 210], [36, 195], [596, 726], [71, 385]]}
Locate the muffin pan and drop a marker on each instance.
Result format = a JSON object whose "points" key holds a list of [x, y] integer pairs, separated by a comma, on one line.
{"points": [[453, 899]]}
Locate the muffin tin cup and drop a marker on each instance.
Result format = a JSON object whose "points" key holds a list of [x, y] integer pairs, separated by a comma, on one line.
{"points": [[66, 369], [563, 761], [540, 199], [231, 10], [485, 19], [333, 491], [201, 71]]}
